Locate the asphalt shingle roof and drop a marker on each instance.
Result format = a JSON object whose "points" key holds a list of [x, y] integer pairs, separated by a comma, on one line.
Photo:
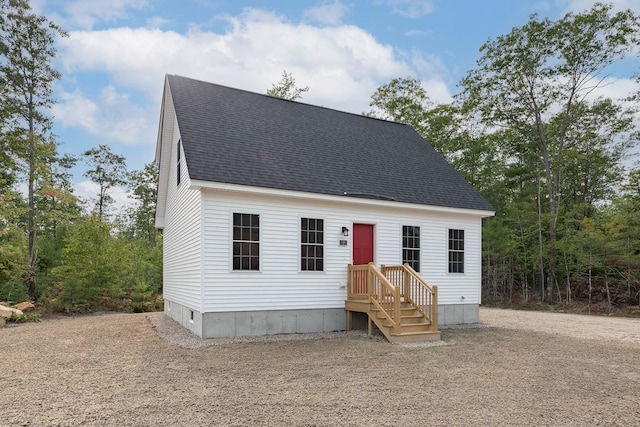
{"points": [[239, 137]]}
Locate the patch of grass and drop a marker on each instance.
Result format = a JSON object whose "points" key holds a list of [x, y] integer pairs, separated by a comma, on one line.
{"points": [[24, 318]]}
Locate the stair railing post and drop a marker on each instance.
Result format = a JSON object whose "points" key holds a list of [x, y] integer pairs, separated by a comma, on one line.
{"points": [[370, 281], [434, 309], [396, 309], [406, 284], [349, 282]]}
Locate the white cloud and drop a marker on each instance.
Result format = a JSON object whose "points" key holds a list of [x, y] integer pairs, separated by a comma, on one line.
{"points": [[413, 9], [110, 118], [343, 65], [86, 13], [37, 6], [414, 33], [74, 109], [157, 22], [327, 13], [615, 88], [89, 190], [578, 6]]}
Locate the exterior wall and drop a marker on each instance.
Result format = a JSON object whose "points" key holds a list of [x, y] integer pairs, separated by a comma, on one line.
{"points": [[182, 238], [280, 285], [187, 317]]}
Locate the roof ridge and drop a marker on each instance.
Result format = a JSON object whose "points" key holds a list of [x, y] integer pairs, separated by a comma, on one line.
{"points": [[288, 100]]}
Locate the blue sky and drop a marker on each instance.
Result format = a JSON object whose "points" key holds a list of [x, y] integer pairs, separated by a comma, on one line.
{"points": [[118, 51]]}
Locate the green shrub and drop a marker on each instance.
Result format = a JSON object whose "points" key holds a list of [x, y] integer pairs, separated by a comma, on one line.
{"points": [[92, 267], [13, 256], [23, 318], [140, 297]]}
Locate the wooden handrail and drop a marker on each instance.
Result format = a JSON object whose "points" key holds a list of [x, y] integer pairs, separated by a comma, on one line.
{"points": [[423, 295], [367, 282], [419, 277], [384, 296], [388, 287], [357, 282], [415, 290]]}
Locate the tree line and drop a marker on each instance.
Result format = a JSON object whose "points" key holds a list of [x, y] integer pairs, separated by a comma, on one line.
{"points": [[54, 247], [533, 129], [536, 132]]}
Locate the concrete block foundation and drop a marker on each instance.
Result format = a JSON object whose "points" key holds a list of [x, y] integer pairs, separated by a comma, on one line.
{"points": [[271, 322], [254, 323], [458, 314]]}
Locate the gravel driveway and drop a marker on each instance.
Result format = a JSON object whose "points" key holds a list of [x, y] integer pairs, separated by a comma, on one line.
{"points": [[526, 368]]}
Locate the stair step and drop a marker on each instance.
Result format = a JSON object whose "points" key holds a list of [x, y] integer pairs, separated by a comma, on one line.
{"points": [[409, 327], [409, 332], [404, 310], [404, 314], [414, 327], [416, 318], [414, 337], [406, 319]]}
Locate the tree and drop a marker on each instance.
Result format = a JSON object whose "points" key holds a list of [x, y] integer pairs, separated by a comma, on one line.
{"points": [[444, 126], [402, 100], [106, 169], [13, 247], [602, 133], [286, 88], [55, 199], [26, 75], [58, 208], [624, 228], [144, 185], [542, 71], [93, 266]]}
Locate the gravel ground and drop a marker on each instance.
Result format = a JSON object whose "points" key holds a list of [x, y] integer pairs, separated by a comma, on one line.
{"points": [[522, 368]]}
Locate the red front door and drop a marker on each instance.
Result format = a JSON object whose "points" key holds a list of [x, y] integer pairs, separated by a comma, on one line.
{"points": [[362, 244]]}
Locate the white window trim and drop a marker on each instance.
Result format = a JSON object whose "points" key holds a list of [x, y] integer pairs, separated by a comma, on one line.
{"points": [[324, 245], [419, 248], [464, 251], [260, 245]]}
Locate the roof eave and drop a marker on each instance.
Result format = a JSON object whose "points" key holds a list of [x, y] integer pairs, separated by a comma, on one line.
{"points": [[247, 189], [165, 135]]}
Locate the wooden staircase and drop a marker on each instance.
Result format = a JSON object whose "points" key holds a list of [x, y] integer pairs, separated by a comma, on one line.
{"points": [[402, 305]]}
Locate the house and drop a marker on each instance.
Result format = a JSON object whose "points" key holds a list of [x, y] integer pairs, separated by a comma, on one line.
{"points": [[283, 217]]}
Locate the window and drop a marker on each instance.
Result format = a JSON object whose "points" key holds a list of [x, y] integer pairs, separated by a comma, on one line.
{"points": [[411, 246], [178, 174], [456, 251], [246, 241], [312, 244]]}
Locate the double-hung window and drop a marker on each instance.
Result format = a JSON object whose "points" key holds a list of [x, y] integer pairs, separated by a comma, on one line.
{"points": [[246, 241], [411, 246], [311, 244], [456, 251]]}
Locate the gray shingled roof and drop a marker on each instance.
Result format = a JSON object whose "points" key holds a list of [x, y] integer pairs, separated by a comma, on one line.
{"points": [[239, 137]]}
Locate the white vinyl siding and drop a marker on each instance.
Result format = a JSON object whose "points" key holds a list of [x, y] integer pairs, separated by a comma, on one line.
{"points": [[181, 238], [280, 285]]}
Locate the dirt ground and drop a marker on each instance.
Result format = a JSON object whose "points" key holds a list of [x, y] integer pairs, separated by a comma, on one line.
{"points": [[526, 368]]}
